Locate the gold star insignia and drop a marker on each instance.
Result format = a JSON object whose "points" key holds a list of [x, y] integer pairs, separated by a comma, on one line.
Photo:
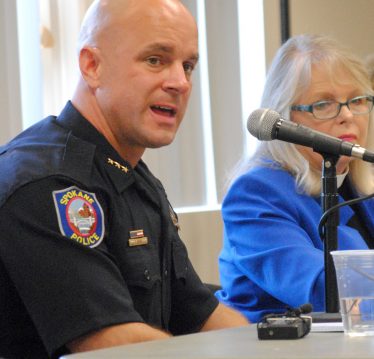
{"points": [[118, 165], [124, 169]]}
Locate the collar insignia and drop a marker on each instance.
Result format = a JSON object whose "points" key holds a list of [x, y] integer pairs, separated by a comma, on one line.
{"points": [[118, 165], [80, 216]]}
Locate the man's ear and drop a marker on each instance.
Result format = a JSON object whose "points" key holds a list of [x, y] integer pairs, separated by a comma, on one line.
{"points": [[90, 66]]}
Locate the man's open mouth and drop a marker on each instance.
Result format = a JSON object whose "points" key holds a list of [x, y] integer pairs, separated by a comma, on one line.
{"points": [[164, 110]]}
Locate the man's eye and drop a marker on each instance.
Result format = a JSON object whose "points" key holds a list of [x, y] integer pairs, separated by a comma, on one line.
{"points": [[154, 60], [188, 67]]}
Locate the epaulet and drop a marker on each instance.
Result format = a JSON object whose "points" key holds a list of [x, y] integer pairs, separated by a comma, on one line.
{"points": [[43, 150]]}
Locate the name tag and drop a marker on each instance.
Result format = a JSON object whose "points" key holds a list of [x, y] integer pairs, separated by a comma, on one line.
{"points": [[138, 241]]}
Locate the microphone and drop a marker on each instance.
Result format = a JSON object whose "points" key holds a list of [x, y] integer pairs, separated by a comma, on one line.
{"points": [[303, 309], [267, 125]]}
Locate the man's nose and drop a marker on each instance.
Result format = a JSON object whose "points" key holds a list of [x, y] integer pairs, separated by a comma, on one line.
{"points": [[177, 80]]}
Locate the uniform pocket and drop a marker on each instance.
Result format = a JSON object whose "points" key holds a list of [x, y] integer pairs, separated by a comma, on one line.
{"points": [[180, 260], [140, 267], [142, 276]]}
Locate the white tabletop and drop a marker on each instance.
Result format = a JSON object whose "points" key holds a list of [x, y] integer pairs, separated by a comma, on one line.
{"points": [[242, 343]]}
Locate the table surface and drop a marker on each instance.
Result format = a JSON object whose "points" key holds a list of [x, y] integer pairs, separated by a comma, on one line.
{"points": [[242, 343]]}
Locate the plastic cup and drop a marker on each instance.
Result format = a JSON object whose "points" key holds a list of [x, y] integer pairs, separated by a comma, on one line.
{"points": [[355, 279]]}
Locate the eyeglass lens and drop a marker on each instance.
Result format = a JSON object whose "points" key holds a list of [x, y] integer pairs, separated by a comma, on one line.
{"points": [[329, 109]]}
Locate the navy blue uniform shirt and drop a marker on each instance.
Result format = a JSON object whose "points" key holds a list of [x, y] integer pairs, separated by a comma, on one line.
{"points": [[86, 242]]}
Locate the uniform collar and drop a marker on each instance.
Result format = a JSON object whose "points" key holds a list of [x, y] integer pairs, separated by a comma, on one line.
{"points": [[72, 119], [119, 170]]}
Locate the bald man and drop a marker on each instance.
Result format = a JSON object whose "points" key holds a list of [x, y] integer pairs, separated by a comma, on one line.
{"points": [[90, 255]]}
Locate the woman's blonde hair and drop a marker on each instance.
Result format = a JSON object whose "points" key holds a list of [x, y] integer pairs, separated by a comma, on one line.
{"points": [[288, 77]]}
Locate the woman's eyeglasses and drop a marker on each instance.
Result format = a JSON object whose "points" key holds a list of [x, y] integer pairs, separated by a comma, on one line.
{"points": [[329, 109]]}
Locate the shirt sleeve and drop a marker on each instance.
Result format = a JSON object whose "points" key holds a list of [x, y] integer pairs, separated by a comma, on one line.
{"points": [[68, 290]]}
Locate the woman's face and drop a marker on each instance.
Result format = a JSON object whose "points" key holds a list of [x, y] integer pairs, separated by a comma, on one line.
{"points": [[346, 126]]}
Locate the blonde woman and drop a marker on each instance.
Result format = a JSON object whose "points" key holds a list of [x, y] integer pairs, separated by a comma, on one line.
{"points": [[272, 255]]}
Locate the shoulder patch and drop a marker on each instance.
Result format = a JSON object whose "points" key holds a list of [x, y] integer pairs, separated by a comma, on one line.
{"points": [[80, 216]]}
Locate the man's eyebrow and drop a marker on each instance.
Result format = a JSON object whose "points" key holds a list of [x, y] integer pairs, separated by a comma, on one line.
{"points": [[195, 57], [159, 47], [167, 49]]}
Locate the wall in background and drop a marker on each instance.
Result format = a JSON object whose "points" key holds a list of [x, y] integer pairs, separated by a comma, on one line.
{"points": [[201, 231], [349, 21]]}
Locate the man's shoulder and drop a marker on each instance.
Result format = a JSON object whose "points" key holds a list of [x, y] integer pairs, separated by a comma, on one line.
{"points": [[45, 149]]}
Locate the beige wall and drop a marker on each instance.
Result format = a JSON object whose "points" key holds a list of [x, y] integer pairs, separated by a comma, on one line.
{"points": [[202, 234], [272, 28], [349, 21]]}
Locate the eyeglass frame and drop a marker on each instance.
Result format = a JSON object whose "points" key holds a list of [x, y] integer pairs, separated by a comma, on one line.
{"points": [[309, 108]]}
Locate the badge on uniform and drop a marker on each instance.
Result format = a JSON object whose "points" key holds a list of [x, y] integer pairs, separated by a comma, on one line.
{"points": [[80, 216], [174, 218]]}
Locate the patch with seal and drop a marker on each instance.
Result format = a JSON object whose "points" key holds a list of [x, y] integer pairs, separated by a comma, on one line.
{"points": [[80, 216]]}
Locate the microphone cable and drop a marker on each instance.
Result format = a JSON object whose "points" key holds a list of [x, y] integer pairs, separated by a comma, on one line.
{"points": [[327, 213]]}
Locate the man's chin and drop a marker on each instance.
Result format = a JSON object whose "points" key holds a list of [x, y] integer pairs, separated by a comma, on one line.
{"points": [[165, 141]]}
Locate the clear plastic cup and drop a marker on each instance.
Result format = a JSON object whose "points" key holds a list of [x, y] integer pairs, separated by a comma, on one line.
{"points": [[355, 278]]}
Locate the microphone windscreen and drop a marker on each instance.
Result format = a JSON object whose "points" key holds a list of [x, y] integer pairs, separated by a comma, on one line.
{"points": [[306, 308], [261, 123]]}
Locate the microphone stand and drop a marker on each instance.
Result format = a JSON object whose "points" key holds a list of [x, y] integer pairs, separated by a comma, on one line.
{"points": [[329, 198]]}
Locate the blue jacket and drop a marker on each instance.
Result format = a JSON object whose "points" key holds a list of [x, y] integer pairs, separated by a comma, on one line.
{"points": [[272, 254]]}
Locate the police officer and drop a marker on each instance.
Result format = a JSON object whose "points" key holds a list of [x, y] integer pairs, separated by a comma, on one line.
{"points": [[90, 255]]}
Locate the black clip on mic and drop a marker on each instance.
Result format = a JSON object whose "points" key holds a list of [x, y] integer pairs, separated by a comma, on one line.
{"points": [[289, 325]]}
